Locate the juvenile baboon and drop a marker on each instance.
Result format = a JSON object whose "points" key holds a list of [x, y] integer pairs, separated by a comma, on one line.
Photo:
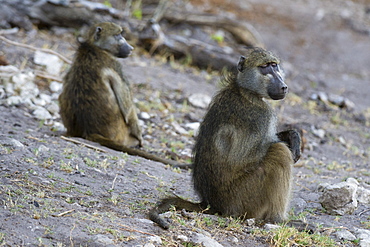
{"points": [[241, 166], [96, 101]]}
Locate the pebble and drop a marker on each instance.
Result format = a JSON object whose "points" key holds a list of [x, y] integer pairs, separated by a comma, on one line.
{"points": [[199, 100], [55, 86], [345, 235], [155, 239], [363, 195], [43, 149], [203, 240], [41, 113], [182, 238], [10, 142], [250, 222], [270, 227], [52, 62], [103, 239], [144, 115], [318, 132], [178, 128]]}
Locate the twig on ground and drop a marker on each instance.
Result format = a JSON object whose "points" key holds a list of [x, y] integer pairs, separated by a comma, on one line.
{"points": [[114, 181], [36, 49], [84, 144], [70, 234], [63, 213], [47, 76], [134, 230]]}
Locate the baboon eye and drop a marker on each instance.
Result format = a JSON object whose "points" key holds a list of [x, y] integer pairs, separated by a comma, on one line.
{"points": [[263, 66], [273, 64]]}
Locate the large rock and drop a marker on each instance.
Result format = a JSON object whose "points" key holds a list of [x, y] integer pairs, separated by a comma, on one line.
{"points": [[339, 198]]}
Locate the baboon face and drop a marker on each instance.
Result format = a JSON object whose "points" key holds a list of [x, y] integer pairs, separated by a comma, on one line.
{"points": [[259, 72], [108, 36], [276, 88]]}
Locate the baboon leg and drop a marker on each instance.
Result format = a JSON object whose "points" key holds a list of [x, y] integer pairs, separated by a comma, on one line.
{"points": [[278, 168], [293, 139], [122, 93]]}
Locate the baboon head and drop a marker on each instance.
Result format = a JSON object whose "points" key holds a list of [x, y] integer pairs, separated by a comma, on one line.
{"points": [[108, 36], [259, 72]]}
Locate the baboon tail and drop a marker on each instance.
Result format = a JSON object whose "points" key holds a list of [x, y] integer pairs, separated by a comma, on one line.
{"points": [[133, 151], [165, 205]]}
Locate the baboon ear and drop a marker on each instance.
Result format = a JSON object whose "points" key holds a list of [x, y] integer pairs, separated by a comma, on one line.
{"points": [[241, 63], [97, 33]]}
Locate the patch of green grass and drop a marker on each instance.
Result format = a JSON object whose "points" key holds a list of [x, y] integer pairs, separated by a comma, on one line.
{"points": [[89, 162], [2, 238], [218, 37], [289, 236], [66, 167]]}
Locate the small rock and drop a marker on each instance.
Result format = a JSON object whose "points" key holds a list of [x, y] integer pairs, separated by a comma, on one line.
{"points": [[144, 115], [364, 236], [14, 100], [141, 123], [270, 227], [339, 198], [199, 100], [41, 113], [234, 240], [46, 98], [182, 238], [342, 140], [2, 92], [250, 222], [178, 128], [352, 181], [43, 149], [336, 99], [363, 195], [58, 127], [323, 97], [149, 245], [345, 235], [53, 108], [102, 239], [298, 204], [318, 132], [155, 239], [322, 187], [39, 102], [193, 126], [348, 104], [55, 86], [52, 62], [314, 97], [10, 142], [205, 241], [8, 70]]}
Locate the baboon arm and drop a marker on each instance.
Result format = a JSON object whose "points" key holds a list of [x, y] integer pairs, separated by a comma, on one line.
{"points": [[122, 93], [293, 139]]}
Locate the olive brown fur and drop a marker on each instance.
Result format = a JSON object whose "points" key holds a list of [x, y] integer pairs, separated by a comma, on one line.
{"points": [[96, 101], [241, 166]]}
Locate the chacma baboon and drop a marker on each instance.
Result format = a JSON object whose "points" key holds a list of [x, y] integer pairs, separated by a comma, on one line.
{"points": [[241, 166], [96, 101]]}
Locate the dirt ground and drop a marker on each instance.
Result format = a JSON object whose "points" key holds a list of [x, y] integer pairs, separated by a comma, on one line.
{"points": [[57, 193]]}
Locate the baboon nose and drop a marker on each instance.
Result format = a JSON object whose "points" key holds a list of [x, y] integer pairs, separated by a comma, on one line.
{"points": [[284, 89]]}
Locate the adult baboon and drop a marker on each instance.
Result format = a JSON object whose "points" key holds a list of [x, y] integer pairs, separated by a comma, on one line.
{"points": [[96, 101], [242, 167]]}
